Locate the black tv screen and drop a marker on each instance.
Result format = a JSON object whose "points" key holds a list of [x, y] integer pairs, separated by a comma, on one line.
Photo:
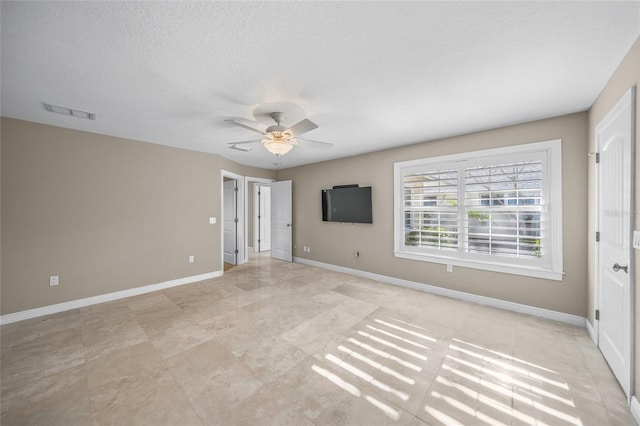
{"points": [[347, 204]]}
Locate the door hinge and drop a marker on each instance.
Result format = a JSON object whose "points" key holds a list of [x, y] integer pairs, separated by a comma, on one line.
{"points": [[236, 251], [598, 314], [259, 240], [258, 216], [235, 220], [597, 157], [597, 236], [235, 189]]}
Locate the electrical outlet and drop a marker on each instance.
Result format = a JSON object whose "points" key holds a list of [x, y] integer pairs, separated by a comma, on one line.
{"points": [[54, 280], [449, 267], [356, 254], [192, 259], [212, 220]]}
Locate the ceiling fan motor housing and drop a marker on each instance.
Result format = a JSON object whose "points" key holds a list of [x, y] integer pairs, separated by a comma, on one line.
{"points": [[278, 131]]}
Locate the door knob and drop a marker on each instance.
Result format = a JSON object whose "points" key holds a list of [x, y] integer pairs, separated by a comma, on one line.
{"points": [[617, 267]]}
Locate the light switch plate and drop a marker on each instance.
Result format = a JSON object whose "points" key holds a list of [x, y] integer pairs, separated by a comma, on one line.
{"points": [[212, 220]]}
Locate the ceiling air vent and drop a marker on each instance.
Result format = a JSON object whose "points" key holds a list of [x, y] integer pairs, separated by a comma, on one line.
{"points": [[69, 111], [241, 148]]}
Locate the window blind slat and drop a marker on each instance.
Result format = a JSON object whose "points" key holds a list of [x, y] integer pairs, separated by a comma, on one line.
{"points": [[498, 215], [498, 202], [431, 209]]}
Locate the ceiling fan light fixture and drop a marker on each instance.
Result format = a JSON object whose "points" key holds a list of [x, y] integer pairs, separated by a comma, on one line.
{"points": [[277, 147]]}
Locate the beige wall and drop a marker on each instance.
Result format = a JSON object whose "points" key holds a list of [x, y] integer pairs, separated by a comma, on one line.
{"points": [[334, 243], [103, 213], [626, 75]]}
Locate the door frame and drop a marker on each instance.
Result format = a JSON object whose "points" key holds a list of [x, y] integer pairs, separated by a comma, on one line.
{"points": [[247, 193], [230, 214], [257, 219], [629, 381], [240, 214]]}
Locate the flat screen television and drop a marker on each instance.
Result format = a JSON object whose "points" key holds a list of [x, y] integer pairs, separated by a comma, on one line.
{"points": [[348, 203]]}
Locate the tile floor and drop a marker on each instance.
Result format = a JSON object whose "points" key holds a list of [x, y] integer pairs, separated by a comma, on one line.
{"points": [[276, 343]]}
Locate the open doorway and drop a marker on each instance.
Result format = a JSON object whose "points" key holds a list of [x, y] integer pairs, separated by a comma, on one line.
{"points": [[233, 223], [238, 217], [260, 236], [229, 222], [258, 214]]}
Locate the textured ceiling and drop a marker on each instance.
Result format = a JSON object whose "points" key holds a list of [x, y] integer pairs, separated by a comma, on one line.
{"points": [[372, 75]]}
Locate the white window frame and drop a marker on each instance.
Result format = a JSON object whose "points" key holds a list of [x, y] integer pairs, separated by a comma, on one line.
{"points": [[551, 153]]}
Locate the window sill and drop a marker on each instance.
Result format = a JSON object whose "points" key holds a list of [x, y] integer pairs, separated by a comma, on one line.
{"points": [[494, 267]]}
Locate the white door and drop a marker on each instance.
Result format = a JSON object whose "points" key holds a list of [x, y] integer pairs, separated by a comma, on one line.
{"points": [[281, 220], [615, 269], [229, 222], [265, 218]]}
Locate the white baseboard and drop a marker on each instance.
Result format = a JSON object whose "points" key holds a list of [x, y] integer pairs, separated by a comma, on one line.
{"points": [[81, 303], [635, 409], [591, 331], [489, 301]]}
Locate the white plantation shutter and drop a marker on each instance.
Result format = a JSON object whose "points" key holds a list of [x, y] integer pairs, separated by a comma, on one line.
{"points": [[504, 209], [487, 209], [431, 209]]}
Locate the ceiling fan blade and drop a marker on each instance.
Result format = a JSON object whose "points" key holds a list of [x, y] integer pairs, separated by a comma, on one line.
{"points": [[301, 127], [243, 142], [313, 144], [238, 123]]}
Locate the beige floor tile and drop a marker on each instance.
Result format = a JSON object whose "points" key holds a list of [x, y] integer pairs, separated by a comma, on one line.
{"points": [[102, 335], [179, 337], [201, 361], [144, 397], [279, 343], [362, 293], [347, 304], [59, 399], [119, 364], [298, 396], [270, 358], [318, 332], [150, 302], [216, 395], [450, 403], [106, 310], [40, 357], [553, 411], [32, 329]]}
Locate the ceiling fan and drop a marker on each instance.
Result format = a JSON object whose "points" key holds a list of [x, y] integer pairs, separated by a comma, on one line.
{"points": [[279, 139]]}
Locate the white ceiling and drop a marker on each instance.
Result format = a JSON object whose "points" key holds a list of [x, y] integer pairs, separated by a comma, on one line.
{"points": [[372, 75]]}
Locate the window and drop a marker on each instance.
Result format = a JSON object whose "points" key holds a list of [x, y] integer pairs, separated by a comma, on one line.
{"points": [[498, 210]]}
